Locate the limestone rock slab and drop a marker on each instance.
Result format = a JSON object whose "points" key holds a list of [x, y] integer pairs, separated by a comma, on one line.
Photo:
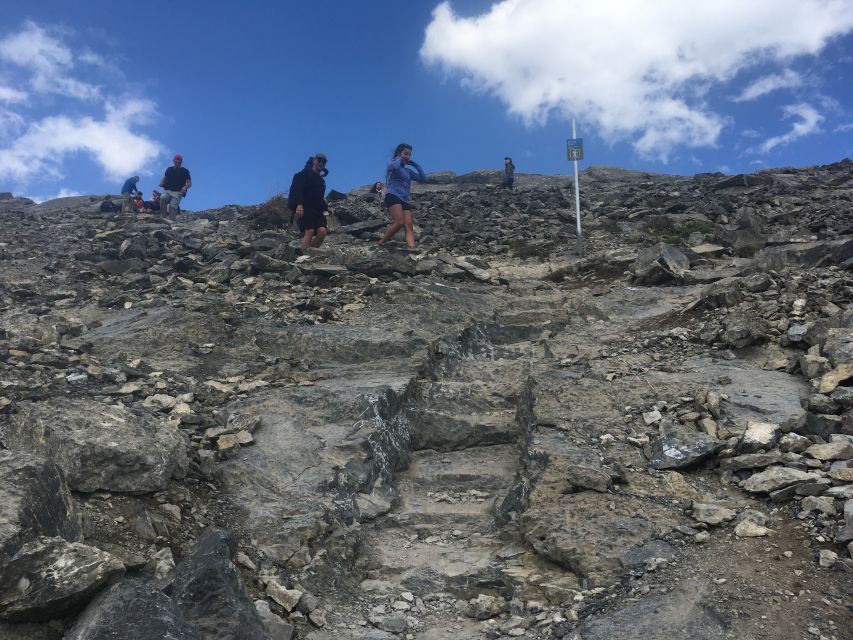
{"points": [[51, 577], [100, 446], [34, 501], [777, 477]]}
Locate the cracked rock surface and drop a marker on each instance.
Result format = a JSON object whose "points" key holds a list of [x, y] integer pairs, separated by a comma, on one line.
{"points": [[208, 432]]}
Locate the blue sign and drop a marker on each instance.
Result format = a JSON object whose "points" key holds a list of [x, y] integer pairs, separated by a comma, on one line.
{"points": [[574, 148]]}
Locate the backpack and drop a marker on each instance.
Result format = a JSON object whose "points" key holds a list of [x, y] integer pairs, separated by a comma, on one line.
{"points": [[291, 195], [108, 206]]}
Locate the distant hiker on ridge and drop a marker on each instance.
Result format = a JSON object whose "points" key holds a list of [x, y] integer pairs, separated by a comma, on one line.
{"points": [[128, 188], [376, 188], [509, 173], [307, 200], [175, 183], [399, 183]]}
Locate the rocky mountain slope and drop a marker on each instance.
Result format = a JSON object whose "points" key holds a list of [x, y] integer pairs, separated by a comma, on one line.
{"points": [[208, 432]]}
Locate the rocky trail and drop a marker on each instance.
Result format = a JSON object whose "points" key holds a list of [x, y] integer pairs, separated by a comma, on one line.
{"points": [[208, 433]]}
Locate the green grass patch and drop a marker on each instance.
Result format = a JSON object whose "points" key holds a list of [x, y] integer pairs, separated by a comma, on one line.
{"points": [[667, 230]]}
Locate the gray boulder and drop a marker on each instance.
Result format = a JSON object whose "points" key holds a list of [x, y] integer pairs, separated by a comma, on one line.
{"points": [[681, 448], [100, 446], [743, 328], [51, 577], [839, 346], [132, 609], [778, 477], [723, 293], [209, 592], [659, 264], [34, 501]]}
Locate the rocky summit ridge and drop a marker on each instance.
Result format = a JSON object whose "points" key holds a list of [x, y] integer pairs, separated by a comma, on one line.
{"points": [[209, 432]]}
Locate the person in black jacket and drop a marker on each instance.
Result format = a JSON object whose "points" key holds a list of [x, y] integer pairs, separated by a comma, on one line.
{"points": [[308, 197]]}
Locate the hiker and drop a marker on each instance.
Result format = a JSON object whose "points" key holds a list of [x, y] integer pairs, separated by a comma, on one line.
{"points": [[376, 188], [128, 189], [307, 200], [154, 203], [509, 173], [138, 202], [399, 181], [175, 183]]}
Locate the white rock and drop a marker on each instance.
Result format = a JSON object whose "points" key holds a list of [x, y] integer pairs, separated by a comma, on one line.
{"points": [[827, 558], [652, 417], [748, 529], [759, 436], [287, 598]]}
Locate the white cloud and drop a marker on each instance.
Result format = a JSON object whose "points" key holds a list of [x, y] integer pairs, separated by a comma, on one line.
{"points": [[35, 147], [41, 149], [10, 95], [49, 61], [843, 128], [809, 123], [10, 123], [631, 69], [786, 80], [750, 133], [63, 193]]}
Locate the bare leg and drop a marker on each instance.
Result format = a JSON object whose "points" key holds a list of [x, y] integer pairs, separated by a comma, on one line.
{"points": [[164, 204], [409, 225], [318, 239], [396, 212], [308, 237]]}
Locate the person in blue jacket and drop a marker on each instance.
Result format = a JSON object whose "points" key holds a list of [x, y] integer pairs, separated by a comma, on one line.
{"points": [[400, 175], [127, 190]]}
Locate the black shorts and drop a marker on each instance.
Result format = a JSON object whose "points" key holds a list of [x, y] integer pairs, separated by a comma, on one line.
{"points": [[391, 200], [311, 220]]}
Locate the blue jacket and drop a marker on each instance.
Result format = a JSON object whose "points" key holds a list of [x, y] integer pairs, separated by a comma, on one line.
{"points": [[400, 178], [130, 185]]}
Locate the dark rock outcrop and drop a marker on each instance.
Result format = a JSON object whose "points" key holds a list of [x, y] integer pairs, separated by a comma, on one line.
{"points": [[209, 593]]}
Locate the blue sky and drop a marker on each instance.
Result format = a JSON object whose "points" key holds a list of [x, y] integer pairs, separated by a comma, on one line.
{"points": [[96, 91]]}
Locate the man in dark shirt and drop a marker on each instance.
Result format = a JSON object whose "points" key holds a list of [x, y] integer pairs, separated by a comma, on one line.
{"points": [[310, 199], [175, 184]]}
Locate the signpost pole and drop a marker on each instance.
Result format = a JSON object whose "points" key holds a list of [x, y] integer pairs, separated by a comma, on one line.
{"points": [[579, 244]]}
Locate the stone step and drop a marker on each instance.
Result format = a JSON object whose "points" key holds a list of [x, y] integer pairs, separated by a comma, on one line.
{"points": [[463, 565], [443, 431], [470, 395], [485, 469]]}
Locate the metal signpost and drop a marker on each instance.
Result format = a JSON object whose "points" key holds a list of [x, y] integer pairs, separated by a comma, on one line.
{"points": [[574, 150]]}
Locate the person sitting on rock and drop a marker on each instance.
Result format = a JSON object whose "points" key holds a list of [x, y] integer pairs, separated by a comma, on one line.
{"points": [[154, 203], [376, 188], [138, 202], [128, 189], [308, 197], [399, 183], [175, 183]]}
